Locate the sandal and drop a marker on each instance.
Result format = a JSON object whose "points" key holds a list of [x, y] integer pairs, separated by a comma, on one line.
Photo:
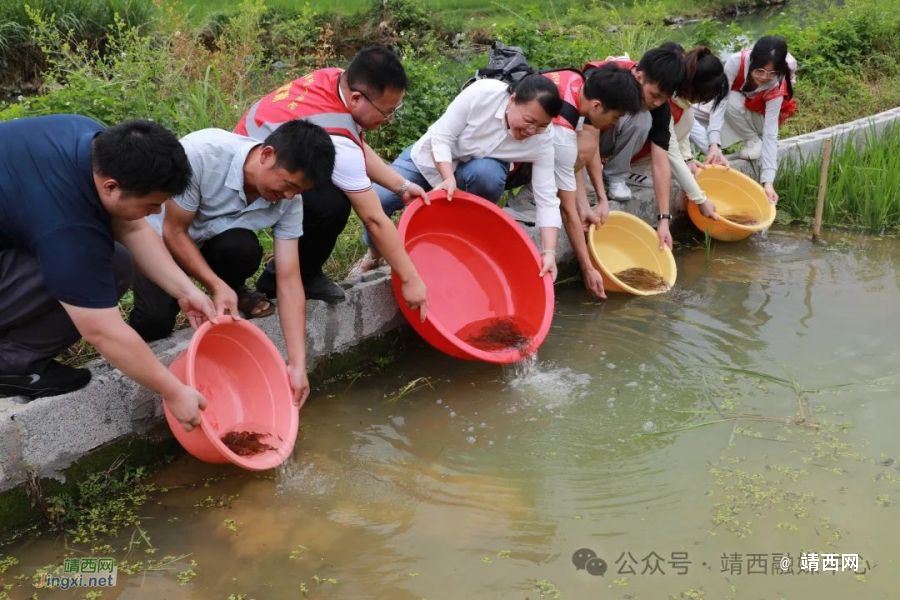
{"points": [[364, 265], [254, 305]]}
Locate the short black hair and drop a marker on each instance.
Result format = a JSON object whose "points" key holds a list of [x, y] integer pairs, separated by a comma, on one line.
{"points": [[615, 87], [303, 146], [771, 49], [143, 157], [377, 68], [537, 87], [705, 78], [664, 66]]}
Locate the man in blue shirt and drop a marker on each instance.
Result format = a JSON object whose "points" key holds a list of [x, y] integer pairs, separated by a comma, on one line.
{"points": [[73, 197]]}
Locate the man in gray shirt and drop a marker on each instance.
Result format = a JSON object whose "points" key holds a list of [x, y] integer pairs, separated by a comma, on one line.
{"points": [[239, 186]]}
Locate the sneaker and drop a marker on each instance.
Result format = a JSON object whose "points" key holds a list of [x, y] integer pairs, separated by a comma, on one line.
{"points": [[56, 379], [640, 180], [618, 190], [521, 206], [319, 287], [752, 149], [364, 265]]}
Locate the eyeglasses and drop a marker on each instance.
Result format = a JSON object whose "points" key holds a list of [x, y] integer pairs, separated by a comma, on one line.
{"points": [[529, 126], [388, 115], [760, 72]]}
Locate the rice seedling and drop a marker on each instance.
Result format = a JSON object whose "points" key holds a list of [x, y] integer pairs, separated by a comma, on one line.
{"points": [[863, 184]]}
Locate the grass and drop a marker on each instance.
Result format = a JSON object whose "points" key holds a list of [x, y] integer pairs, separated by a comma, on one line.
{"points": [[863, 185]]}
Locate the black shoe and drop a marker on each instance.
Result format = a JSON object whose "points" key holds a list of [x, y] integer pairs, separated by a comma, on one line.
{"points": [[319, 287], [54, 380]]}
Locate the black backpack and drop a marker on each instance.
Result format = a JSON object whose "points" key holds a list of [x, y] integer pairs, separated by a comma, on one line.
{"points": [[508, 64]]}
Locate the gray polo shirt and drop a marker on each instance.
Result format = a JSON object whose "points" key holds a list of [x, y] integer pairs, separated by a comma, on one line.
{"points": [[216, 192]]}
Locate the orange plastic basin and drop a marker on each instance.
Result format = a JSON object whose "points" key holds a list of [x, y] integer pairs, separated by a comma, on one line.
{"points": [[478, 265], [732, 192], [626, 242], [244, 379]]}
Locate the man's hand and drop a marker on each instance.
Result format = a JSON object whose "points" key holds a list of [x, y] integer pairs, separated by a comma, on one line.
{"points": [[662, 232], [587, 214], [771, 194], [225, 300], [708, 210], [602, 212], [185, 404], [299, 385], [197, 307], [715, 157], [593, 281], [414, 294], [448, 184], [549, 262], [415, 191]]}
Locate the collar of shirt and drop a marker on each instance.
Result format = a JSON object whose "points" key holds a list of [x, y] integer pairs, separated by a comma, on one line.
{"points": [[235, 179], [344, 100], [501, 114]]}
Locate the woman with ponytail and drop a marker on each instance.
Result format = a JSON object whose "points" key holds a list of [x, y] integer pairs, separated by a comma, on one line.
{"points": [[760, 99], [705, 81], [487, 126]]}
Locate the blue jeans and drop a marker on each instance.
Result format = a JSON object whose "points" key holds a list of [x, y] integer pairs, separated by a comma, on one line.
{"points": [[485, 177]]}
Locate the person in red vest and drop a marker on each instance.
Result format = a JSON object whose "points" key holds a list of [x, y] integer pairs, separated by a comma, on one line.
{"points": [[345, 104], [761, 98], [660, 72], [704, 81], [590, 105]]}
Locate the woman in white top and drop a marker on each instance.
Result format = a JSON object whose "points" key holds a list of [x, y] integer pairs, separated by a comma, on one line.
{"points": [[470, 147], [760, 99], [704, 81]]}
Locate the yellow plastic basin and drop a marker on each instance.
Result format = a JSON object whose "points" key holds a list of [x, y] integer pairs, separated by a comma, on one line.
{"points": [[626, 242], [733, 193]]}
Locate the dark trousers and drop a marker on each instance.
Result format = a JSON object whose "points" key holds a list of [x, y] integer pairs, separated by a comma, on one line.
{"points": [[326, 210], [34, 327], [233, 255]]}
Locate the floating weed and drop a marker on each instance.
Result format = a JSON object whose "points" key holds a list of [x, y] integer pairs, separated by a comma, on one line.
{"points": [[323, 580], [230, 525], [185, 577], [487, 560], [409, 388], [504, 554], [547, 589], [621, 582], [883, 500], [297, 553]]}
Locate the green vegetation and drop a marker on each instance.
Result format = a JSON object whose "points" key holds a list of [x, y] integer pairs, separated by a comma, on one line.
{"points": [[863, 185]]}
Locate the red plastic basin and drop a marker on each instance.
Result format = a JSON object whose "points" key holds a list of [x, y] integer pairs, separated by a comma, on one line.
{"points": [[244, 379], [478, 265]]}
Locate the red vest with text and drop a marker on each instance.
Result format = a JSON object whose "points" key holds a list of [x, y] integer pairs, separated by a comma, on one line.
{"points": [[569, 83], [314, 98], [757, 103]]}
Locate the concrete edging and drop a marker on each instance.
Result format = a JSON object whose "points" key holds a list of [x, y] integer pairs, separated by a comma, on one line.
{"points": [[44, 437]]}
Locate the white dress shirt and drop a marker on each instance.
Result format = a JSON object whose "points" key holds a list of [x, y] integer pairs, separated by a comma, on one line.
{"points": [[474, 126]]}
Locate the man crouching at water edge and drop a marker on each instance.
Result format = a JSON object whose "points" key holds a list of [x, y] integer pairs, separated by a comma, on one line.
{"points": [[73, 197], [239, 186]]}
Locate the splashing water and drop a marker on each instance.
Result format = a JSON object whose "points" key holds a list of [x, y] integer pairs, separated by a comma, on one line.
{"points": [[521, 369]]}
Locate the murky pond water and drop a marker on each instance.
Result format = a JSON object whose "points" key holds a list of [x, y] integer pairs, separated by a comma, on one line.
{"points": [[485, 484]]}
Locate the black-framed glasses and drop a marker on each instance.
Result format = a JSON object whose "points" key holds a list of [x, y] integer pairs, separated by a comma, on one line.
{"points": [[388, 115]]}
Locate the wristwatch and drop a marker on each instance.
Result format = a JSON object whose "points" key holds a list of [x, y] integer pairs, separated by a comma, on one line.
{"points": [[404, 187], [662, 216]]}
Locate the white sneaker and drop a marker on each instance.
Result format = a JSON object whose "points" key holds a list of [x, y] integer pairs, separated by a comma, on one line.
{"points": [[521, 206], [640, 180], [618, 190], [752, 149]]}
